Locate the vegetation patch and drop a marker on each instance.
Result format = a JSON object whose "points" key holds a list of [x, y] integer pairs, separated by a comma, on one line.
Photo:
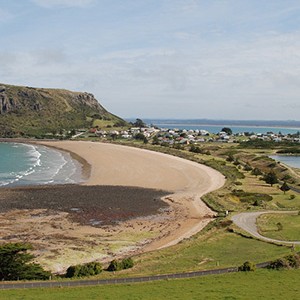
{"points": [[291, 261], [89, 269], [251, 197], [280, 226], [16, 263], [118, 265]]}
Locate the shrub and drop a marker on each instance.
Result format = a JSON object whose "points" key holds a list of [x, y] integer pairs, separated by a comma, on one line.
{"points": [[256, 172], [292, 197], [247, 267], [279, 264], [224, 224], [238, 183], [116, 265], [257, 202], [291, 261], [251, 197], [127, 263], [89, 269], [230, 158], [247, 168]]}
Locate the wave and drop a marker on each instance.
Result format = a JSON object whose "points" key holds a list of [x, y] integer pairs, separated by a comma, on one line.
{"points": [[39, 165]]}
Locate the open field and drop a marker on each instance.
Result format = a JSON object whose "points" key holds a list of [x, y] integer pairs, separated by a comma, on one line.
{"points": [[261, 284], [289, 229]]}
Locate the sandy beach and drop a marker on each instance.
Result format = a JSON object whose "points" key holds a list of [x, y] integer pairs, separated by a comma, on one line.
{"points": [[60, 240], [126, 166]]}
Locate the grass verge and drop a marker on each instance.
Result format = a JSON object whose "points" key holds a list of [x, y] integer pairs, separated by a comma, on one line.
{"points": [[261, 284], [281, 227]]}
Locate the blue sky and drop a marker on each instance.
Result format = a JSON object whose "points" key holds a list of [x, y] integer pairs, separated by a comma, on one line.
{"points": [[216, 59]]}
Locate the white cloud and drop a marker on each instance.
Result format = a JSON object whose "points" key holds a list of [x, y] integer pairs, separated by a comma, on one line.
{"points": [[63, 3]]}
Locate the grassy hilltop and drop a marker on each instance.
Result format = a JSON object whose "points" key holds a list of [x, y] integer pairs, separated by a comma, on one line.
{"points": [[34, 111]]}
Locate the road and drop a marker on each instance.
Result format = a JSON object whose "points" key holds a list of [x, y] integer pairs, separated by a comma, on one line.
{"points": [[247, 222]]}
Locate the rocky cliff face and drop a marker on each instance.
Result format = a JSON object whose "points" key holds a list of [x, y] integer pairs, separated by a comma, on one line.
{"points": [[34, 109], [6, 104], [30, 99]]}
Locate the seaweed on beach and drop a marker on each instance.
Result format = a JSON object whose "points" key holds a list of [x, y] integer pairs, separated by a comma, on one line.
{"points": [[89, 205]]}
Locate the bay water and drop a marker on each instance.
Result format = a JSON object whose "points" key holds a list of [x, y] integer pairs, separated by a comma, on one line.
{"points": [[290, 160], [26, 164]]}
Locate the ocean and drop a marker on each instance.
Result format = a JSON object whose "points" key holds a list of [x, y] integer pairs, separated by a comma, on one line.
{"points": [[26, 164], [290, 160], [215, 128]]}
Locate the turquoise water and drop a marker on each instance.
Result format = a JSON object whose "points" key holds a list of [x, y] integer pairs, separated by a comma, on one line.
{"points": [[24, 164], [215, 128], [292, 161], [235, 129]]}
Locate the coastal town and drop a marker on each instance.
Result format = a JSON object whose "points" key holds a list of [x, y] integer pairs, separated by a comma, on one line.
{"points": [[175, 136]]}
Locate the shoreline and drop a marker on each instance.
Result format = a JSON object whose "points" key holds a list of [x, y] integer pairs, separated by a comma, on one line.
{"points": [[185, 192], [123, 166]]}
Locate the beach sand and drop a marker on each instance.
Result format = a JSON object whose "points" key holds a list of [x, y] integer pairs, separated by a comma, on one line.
{"points": [[114, 165]]}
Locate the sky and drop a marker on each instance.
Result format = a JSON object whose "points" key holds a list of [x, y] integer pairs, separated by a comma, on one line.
{"points": [[213, 59]]}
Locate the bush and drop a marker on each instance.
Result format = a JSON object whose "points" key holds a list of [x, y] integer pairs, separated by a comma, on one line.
{"points": [[251, 197], [127, 263], [89, 269], [279, 264], [238, 183], [247, 168], [247, 267], [256, 172], [116, 265], [292, 197], [291, 261], [224, 224]]}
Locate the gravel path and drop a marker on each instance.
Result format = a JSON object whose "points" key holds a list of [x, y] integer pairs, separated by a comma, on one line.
{"points": [[247, 222]]}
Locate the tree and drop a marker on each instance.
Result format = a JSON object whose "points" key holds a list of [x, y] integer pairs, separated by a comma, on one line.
{"points": [[15, 263], [271, 178], [227, 130], [256, 172], [285, 187], [139, 123]]}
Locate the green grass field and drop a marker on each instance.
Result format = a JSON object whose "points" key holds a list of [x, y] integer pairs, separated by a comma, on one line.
{"points": [[267, 225], [217, 249], [261, 284]]}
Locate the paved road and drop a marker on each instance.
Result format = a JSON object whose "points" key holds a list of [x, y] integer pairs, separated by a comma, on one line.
{"points": [[247, 221]]}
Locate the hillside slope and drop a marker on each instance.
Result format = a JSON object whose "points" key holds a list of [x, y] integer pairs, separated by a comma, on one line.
{"points": [[31, 111]]}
